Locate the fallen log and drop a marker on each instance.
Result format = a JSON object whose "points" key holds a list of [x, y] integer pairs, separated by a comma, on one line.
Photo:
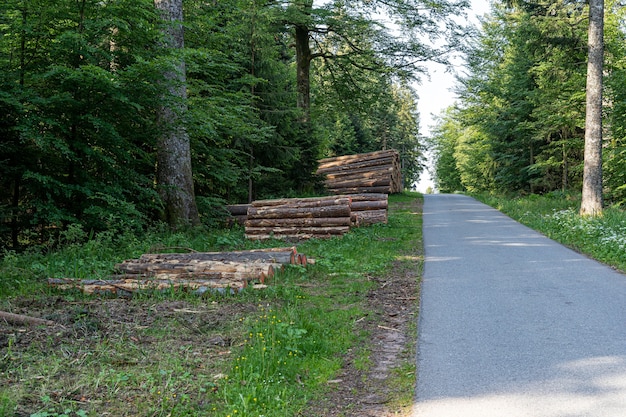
{"points": [[21, 319], [289, 212]]}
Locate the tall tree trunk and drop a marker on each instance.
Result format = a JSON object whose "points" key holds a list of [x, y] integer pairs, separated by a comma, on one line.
{"points": [[592, 173], [303, 64], [174, 174]]}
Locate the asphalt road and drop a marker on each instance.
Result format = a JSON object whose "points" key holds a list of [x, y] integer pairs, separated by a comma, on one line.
{"points": [[513, 324]]}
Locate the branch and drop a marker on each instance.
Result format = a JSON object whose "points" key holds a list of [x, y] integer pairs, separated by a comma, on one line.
{"points": [[21, 319]]}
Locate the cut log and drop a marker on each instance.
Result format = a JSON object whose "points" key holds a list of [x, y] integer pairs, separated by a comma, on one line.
{"points": [[194, 266], [238, 209], [317, 221], [374, 163], [302, 203], [366, 172], [360, 173], [369, 205], [276, 255], [362, 182], [352, 190], [133, 285], [349, 159], [295, 231], [282, 213], [20, 319], [299, 236], [369, 217], [369, 197]]}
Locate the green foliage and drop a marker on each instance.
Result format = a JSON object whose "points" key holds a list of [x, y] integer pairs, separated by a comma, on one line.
{"points": [[518, 126], [274, 352]]}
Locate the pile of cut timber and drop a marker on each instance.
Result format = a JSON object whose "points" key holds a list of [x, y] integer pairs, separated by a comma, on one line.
{"points": [[373, 172], [368, 209], [197, 271], [298, 218]]}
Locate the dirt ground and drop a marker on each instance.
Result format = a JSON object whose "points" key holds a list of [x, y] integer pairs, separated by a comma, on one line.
{"points": [[353, 393], [372, 393]]}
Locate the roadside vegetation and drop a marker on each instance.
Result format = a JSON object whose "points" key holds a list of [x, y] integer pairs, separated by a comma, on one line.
{"points": [[266, 352], [556, 215]]}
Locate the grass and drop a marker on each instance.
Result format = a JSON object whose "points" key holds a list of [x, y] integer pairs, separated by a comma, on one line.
{"points": [[259, 353], [556, 216]]}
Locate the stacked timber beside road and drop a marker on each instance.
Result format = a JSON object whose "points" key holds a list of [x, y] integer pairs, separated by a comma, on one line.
{"points": [[298, 218], [373, 172], [197, 271], [368, 209]]}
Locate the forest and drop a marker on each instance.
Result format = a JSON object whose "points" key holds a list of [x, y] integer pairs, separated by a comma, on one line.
{"points": [[518, 126], [113, 112]]}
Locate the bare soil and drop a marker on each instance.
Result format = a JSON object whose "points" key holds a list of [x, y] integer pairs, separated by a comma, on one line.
{"points": [[372, 392]]}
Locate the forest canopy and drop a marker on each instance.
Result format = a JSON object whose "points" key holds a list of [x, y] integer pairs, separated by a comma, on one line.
{"points": [[518, 125], [268, 88]]}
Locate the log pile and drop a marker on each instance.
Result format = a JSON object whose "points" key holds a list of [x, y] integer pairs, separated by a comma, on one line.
{"points": [[373, 172], [238, 213], [198, 271], [368, 209], [298, 218]]}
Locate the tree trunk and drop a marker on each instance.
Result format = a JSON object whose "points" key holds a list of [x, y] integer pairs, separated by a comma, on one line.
{"points": [[303, 65], [592, 173], [174, 173]]}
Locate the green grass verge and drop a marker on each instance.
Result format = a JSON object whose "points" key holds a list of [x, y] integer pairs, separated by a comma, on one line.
{"points": [[556, 216], [260, 353]]}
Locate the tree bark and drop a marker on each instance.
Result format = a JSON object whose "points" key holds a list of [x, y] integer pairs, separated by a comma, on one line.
{"points": [[292, 213], [303, 65], [174, 172], [592, 173]]}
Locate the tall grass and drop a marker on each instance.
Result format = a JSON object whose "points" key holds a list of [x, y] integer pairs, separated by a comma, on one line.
{"points": [[556, 216]]}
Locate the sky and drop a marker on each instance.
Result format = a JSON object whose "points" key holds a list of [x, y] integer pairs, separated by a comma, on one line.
{"points": [[435, 93]]}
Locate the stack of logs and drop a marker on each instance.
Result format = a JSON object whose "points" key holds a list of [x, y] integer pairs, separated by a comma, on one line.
{"points": [[373, 172], [198, 271], [319, 217], [298, 218], [368, 209]]}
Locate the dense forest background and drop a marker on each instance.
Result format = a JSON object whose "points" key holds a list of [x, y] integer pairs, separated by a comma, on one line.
{"points": [[518, 126], [82, 83]]}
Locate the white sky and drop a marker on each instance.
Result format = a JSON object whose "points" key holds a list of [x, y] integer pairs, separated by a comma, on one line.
{"points": [[435, 94]]}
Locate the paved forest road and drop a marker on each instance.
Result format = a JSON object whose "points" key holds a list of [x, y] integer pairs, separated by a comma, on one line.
{"points": [[513, 324]]}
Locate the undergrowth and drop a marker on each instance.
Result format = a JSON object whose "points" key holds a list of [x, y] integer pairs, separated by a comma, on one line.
{"points": [[258, 353]]}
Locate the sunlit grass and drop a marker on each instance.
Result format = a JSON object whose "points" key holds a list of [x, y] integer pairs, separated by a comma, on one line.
{"points": [[282, 346]]}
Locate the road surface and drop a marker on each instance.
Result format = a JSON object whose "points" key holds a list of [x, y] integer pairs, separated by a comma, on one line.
{"points": [[513, 324]]}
